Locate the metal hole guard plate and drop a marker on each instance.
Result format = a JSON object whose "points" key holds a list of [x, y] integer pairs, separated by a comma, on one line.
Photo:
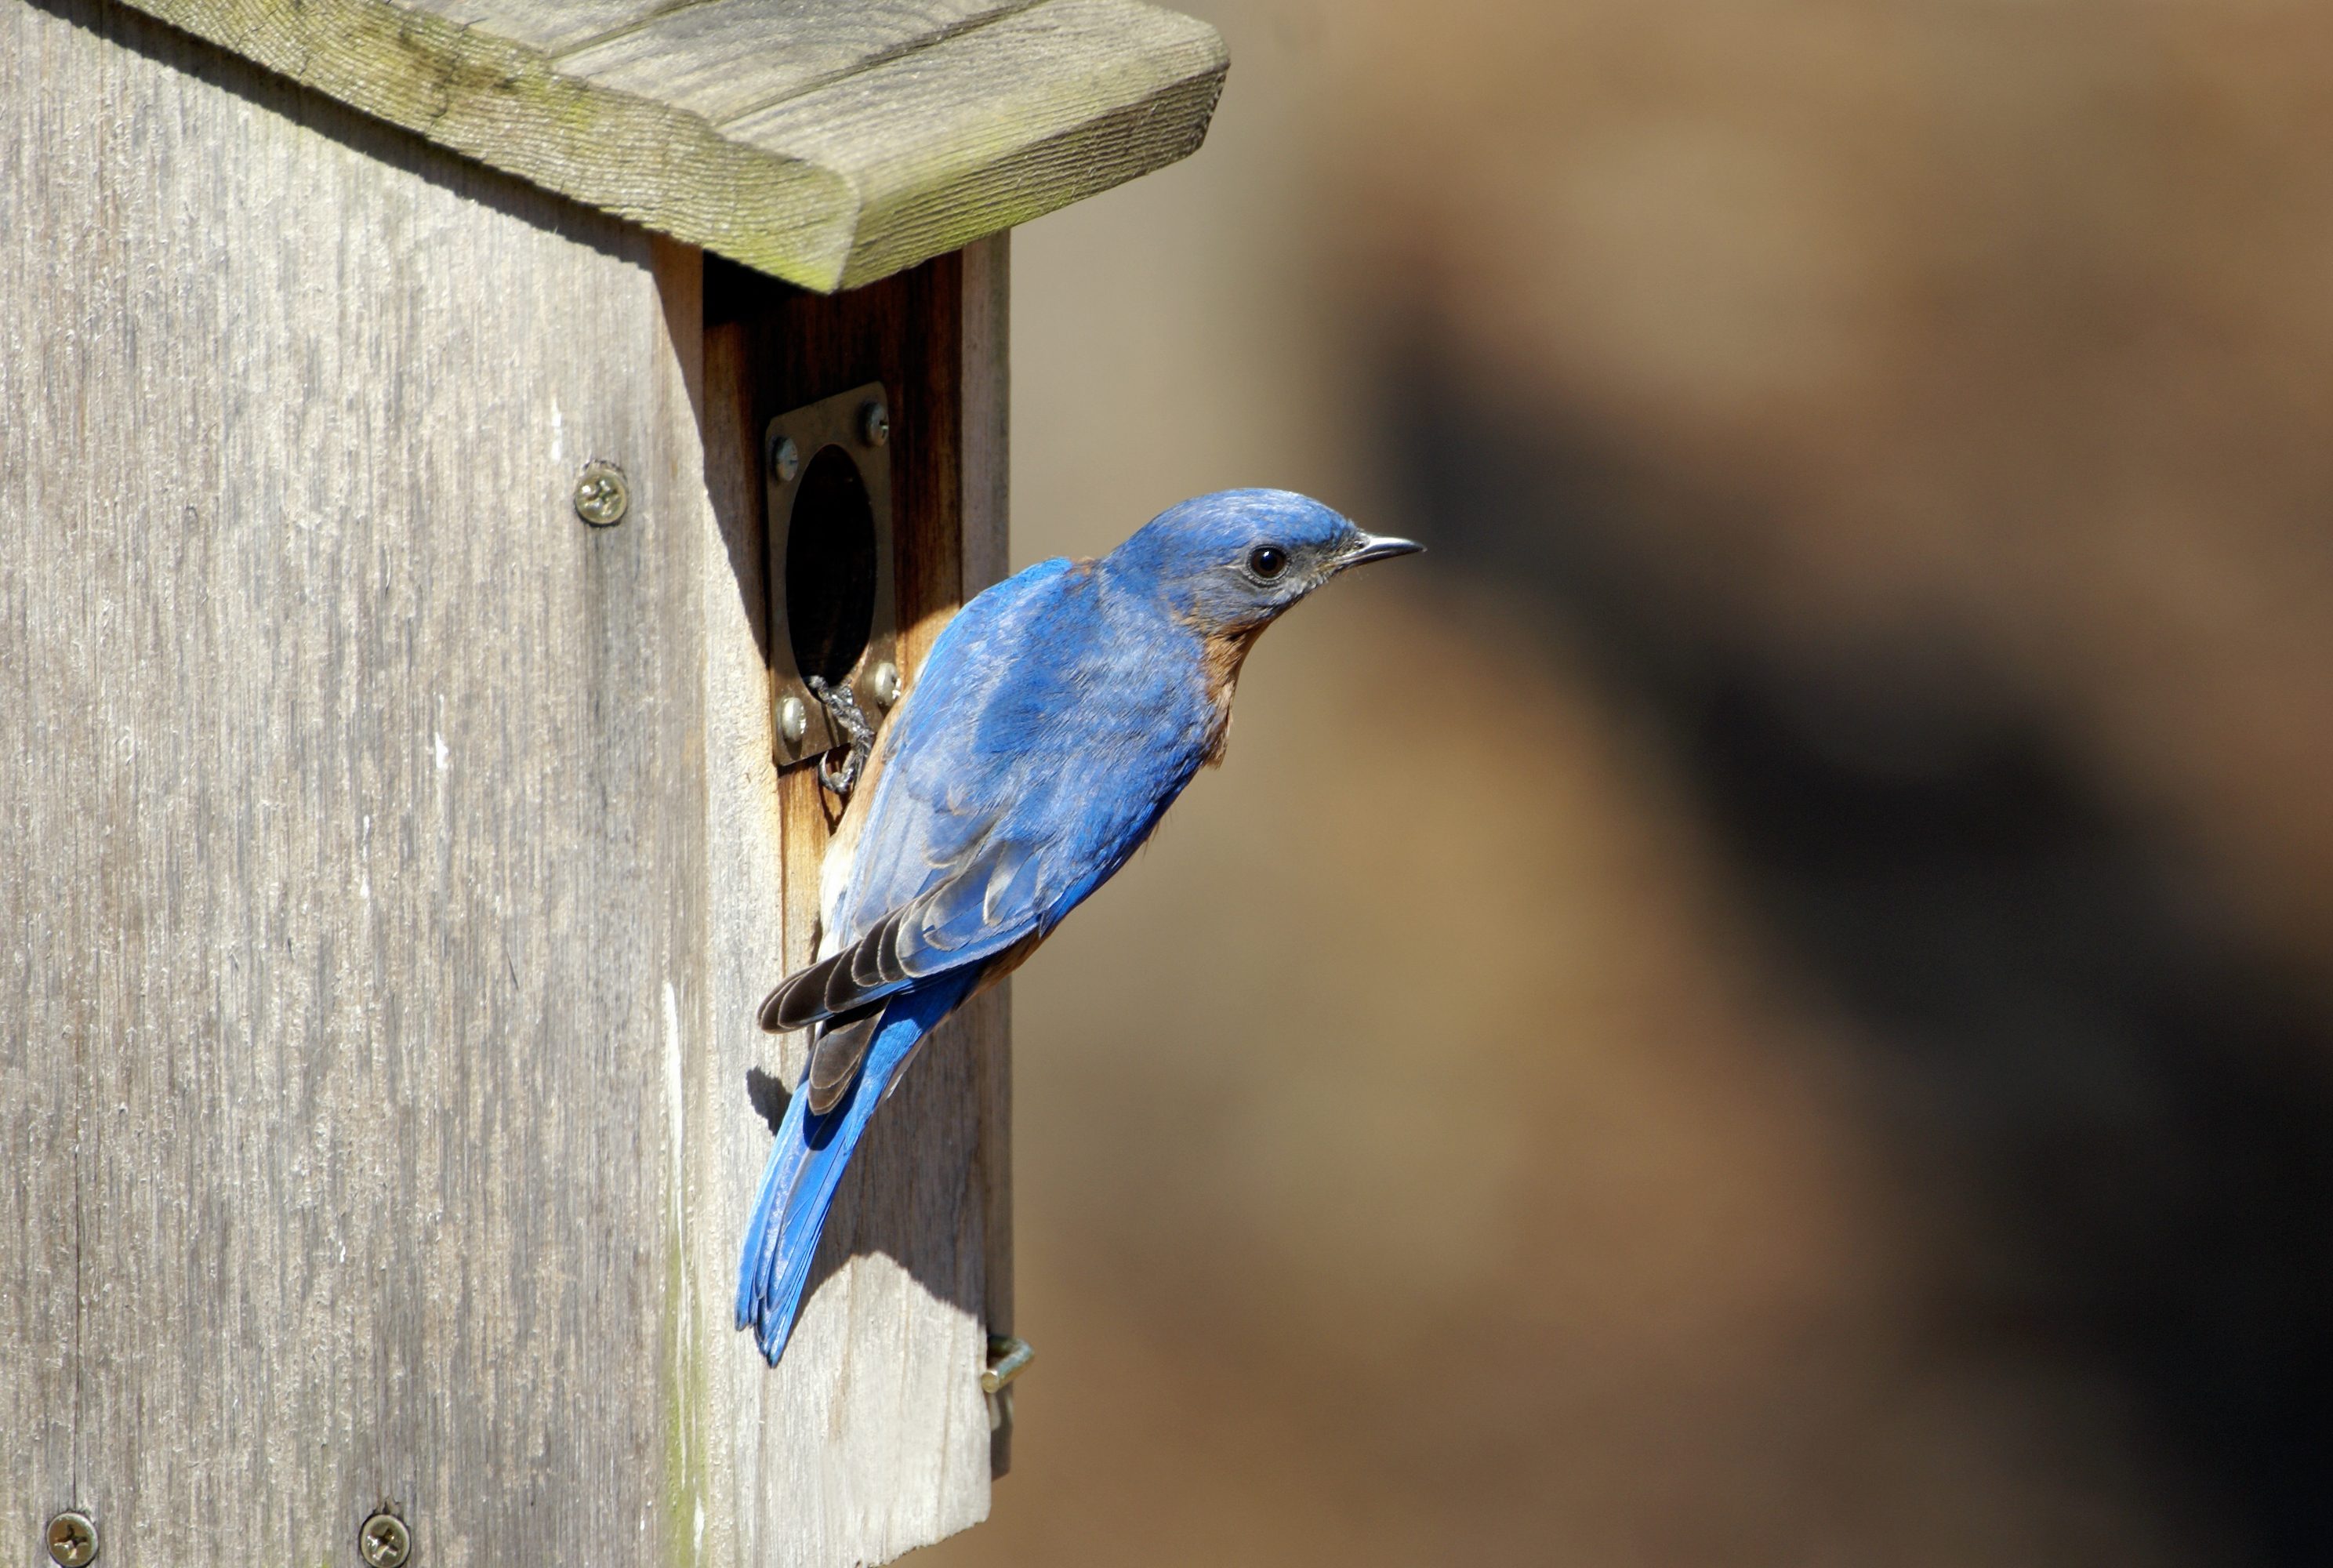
{"points": [[855, 423]]}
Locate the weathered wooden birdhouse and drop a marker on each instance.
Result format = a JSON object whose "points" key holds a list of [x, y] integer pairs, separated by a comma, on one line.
{"points": [[440, 441]]}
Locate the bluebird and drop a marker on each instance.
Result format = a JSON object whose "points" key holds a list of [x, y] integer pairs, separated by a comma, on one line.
{"points": [[1060, 715]]}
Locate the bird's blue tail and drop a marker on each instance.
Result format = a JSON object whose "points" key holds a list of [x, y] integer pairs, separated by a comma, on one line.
{"points": [[806, 1166]]}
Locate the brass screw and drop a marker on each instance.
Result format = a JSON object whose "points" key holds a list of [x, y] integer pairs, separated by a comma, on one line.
{"points": [[875, 424], [385, 1542], [1008, 1358], [602, 495], [73, 1539], [785, 457]]}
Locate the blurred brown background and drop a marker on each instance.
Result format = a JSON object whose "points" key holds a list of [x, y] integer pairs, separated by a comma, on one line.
{"points": [[1771, 1000]]}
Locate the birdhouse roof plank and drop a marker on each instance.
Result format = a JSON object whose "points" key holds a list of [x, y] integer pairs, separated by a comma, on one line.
{"points": [[827, 142]]}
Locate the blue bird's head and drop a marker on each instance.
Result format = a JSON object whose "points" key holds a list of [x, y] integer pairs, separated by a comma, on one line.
{"points": [[1229, 563]]}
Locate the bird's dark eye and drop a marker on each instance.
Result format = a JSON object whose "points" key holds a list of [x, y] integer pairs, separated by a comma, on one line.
{"points": [[1267, 560]]}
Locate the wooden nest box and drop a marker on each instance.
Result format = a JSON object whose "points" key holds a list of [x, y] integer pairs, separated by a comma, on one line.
{"points": [[439, 438]]}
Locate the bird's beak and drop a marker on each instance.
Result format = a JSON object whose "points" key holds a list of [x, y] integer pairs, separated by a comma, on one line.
{"points": [[1377, 547]]}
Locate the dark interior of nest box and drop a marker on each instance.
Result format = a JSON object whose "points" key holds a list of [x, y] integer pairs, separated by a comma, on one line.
{"points": [[831, 568]]}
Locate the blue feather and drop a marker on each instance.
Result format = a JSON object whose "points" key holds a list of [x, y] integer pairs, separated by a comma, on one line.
{"points": [[807, 1162]]}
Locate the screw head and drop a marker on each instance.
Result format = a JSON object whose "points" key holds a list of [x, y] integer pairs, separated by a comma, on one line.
{"points": [[385, 1542], [785, 457], [793, 720], [73, 1539], [602, 495], [875, 424], [885, 680]]}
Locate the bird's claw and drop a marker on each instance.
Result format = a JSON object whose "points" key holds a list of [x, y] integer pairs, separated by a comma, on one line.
{"points": [[841, 706]]}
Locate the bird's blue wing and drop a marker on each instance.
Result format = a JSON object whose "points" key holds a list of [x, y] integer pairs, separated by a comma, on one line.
{"points": [[1034, 756]]}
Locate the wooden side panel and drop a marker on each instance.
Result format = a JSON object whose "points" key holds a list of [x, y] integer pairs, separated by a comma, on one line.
{"points": [[872, 1436], [987, 392], [352, 912]]}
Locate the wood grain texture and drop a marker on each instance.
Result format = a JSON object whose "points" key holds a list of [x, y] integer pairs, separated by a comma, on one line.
{"points": [[343, 868], [729, 58], [340, 755], [549, 26], [391, 863], [829, 144]]}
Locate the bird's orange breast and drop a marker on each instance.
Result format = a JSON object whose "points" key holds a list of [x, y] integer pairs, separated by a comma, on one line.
{"points": [[1224, 653]]}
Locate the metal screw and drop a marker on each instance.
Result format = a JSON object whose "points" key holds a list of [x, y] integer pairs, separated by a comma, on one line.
{"points": [[602, 495], [885, 682], [785, 457], [73, 1539], [875, 424], [793, 720], [385, 1542], [1007, 1358]]}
